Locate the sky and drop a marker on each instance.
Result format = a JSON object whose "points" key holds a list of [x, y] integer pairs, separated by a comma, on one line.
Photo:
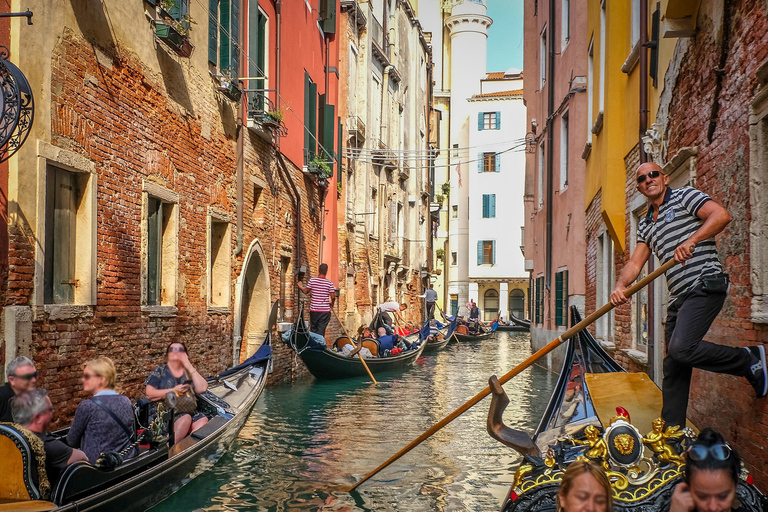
{"points": [[505, 37]]}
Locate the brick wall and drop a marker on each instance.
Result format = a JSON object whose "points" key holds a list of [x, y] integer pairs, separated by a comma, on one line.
{"points": [[704, 100], [592, 223], [175, 130]]}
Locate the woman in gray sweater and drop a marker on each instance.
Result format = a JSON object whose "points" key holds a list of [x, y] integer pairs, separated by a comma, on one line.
{"points": [[94, 430]]}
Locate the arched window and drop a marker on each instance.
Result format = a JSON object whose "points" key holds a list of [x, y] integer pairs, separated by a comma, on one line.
{"points": [[490, 305], [517, 303]]}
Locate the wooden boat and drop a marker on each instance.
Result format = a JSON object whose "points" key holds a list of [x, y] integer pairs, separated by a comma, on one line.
{"points": [[512, 328], [154, 474], [519, 321], [606, 411], [463, 334], [330, 365], [442, 340]]}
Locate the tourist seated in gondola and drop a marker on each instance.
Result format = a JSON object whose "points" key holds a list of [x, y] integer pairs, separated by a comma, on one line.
{"points": [[33, 410], [387, 341], [585, 486], [711, 475], [103, 423], [433, 330], [21, 376], [179, 377]]}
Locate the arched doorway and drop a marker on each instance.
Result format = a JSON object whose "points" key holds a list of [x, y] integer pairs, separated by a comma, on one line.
{"points": [[517, 303], [490, 305], [252, 303]]}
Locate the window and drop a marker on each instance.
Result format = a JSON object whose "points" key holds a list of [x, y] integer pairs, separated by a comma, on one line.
{"points": [[352, 67], [160, 252], [454, 305], [517, 303], [603, 52], [565, 23], [69, 232], [564, 151], [373, 220], [258, 37], [543, 58], [224, 36], [604, 284], [486, 252], [327, 16], [454, 211], [310, 118], [219, 262], [635, 28], [758, 227], [490, 305], [540, 180], [561, 298], [590, 86], [488, 162], [454, 259], [488, 121], [489, 206], [286, 285], [539, 308]]}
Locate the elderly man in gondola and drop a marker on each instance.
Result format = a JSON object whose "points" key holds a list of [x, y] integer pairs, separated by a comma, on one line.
{"points": [[682, 224]]}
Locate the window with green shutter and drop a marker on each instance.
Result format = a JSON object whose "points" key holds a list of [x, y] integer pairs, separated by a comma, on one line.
{"points": [[257, 51], [213, 32], [539, 300], [229, 38], [489, 206], [328, 16], [310, 118], [561, 298]]}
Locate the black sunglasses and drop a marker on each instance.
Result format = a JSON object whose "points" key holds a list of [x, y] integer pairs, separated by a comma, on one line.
{"points": [[28, 376], [699, 452], [652, 174]]}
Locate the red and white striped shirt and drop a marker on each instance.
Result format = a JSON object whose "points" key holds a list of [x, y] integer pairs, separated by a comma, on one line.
{"points": [[321, 289]]}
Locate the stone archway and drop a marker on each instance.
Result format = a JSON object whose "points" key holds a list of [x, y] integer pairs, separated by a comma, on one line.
{"points": [[252, 303]]}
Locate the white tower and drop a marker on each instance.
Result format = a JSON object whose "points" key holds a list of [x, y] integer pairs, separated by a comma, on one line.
{"points": [[468, 25]]}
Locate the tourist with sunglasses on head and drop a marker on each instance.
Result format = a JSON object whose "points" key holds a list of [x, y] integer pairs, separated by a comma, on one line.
{"points": [[682, 224], [711, 474], [22, 376], [104, 422], [180, 378]]}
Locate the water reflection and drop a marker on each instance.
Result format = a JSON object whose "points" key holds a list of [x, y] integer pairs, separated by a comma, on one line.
{"points": [[306, 442]]}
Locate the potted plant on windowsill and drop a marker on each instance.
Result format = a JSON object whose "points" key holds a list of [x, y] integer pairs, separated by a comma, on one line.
{"points": [[321, 170], [440, 253], [446, 189], [173, 31]]}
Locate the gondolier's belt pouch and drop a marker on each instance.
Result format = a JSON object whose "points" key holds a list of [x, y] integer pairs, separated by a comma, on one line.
{"points": [[715, 284]]}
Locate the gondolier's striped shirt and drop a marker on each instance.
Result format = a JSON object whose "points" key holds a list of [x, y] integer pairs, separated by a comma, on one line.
{"points": [[676, 222]]}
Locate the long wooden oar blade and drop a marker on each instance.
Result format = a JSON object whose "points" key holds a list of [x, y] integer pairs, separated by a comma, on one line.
{"points": [[570, 333]]}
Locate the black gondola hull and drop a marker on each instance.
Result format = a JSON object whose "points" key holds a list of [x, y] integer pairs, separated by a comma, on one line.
{"points": [[473, 337], [328, 365]]}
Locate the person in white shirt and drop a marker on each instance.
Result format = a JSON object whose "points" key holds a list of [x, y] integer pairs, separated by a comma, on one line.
{"points": [[393, 307]]}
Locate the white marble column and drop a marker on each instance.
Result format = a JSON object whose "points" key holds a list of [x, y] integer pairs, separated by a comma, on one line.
{"points": [[504, 301]]}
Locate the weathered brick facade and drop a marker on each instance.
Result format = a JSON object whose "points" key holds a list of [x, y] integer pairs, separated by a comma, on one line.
{"points": [[171, 129]]}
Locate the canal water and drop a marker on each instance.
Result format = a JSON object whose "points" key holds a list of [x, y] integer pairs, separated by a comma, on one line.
{"points": [[306, 441]]}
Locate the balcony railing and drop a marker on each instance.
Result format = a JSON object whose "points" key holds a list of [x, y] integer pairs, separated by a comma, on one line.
{"points": [[356, 127], [264, 115]]}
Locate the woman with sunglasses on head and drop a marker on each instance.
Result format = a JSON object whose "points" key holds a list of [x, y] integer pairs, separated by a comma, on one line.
{"points": [[179, 377], [104, 422], [711, 475], [585, 488]]}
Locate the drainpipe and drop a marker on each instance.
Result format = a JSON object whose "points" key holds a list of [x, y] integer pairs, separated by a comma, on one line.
{"points": [[643, 127], [278, 35], [383, 171], [550, 141]]}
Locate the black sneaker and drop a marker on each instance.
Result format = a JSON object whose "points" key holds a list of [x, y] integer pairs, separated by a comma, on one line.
{"points": [[759, 370]]}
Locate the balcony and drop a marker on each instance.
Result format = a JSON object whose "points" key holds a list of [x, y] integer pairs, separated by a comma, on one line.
{"points": [[383, 156], [263, 117], [356, 128], [355, 12], [380, 46]]}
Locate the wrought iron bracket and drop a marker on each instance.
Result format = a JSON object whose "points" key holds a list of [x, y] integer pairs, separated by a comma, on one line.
{"points": [[27, 14]]}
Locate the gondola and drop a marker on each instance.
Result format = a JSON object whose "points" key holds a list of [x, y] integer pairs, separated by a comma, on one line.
{"points": [[158, 471], [463, 334], [597, 407], [520, 322], [442, 340], [512, 328], [326, 364]]}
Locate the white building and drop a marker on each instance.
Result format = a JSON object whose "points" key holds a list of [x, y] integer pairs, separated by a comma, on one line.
{"points": [[495, 179]]}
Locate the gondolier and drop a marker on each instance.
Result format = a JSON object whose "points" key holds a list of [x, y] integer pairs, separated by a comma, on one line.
{"points": [[682, 224], [430, 298], [323, 295]]}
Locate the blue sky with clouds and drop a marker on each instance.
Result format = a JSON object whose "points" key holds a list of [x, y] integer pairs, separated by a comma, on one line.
{"points": [[505, 37]]}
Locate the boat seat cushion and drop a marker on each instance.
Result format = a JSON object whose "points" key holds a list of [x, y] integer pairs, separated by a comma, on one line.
{"points": [[341, 341], [23, 458], [462, 329], [372, 345], [209, 428]]}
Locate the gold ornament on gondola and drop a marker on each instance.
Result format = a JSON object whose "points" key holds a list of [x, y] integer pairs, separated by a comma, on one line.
{"points": [[624, 443], [657, 439]]}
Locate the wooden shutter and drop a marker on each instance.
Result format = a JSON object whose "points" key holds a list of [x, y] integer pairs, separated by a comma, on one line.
{"points": [[565, 297], [329, 16], [559, 298], [479, 252], [493, 252], [498, 120], [154, 249], [480, 121], [480, 162], [497, 162], [485, 206], [213, 31], [313, 117], [338, 151], [538, 300], [492, 206], [234, 59]]}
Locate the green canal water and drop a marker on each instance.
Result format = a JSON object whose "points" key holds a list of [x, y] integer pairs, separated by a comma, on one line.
{"points": [[306, 441]]}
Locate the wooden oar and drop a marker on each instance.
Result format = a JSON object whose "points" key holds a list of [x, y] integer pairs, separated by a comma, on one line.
{"points": [[352, 340], [453, 334], [570, 333]]}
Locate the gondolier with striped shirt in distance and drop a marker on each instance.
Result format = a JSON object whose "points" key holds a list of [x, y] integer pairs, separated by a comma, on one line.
{"points": [[682, 224], [323, 295]]}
